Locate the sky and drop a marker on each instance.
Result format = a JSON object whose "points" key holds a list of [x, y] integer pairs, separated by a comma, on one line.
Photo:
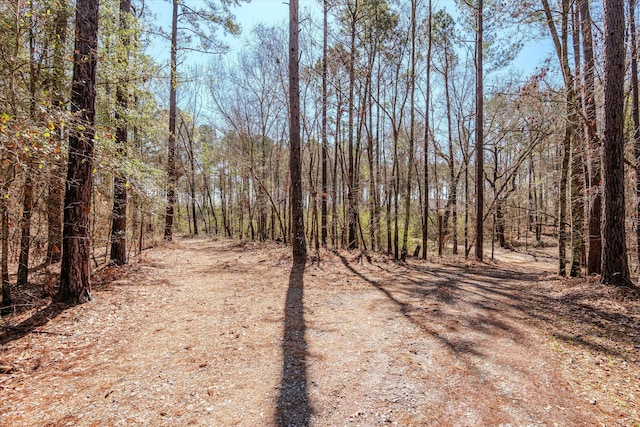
{"points": [[273, 12]]}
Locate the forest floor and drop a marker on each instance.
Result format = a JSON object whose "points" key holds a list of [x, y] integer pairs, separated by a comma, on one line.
{"points": [[221, 333]]}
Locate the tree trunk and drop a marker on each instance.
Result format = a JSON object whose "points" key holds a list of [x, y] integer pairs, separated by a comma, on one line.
{"points": [[25, 226], [119, 222], [56, 183], [425, 214], [75, 287], [561, 47], [499, 223], [334, 175], [325, 159], [171, 146], [295, 166], [27, 205], [453, 184], [479, 135], [577, 164], [592, 142], [615, 266], [636, 114], [407, 202], [351, 195], [4, 244]]}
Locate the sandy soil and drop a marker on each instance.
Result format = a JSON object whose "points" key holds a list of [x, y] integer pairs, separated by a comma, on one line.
{"points": [[222, 333]]}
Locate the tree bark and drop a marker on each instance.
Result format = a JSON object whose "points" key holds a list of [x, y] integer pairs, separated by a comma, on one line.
{"points": [[479, 135], [171, 146], [351, 191], [635, 112], [592, 142], [4, 241], [577, 163], [295, 166], [425, 214], [75, 287], [561, 47], [615, 266], [25, 226], [407, 202], [119, 212], [325, 159], [56, 183]]}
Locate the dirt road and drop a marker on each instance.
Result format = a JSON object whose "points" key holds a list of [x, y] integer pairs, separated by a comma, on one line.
{"points": [[221, 333]]}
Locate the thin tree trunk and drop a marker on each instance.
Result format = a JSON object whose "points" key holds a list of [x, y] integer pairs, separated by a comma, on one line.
{"points": [[561, 47], [334, 183], [295, 165], [453, 184], [171, 146], [636, 114], [351, 195], [119, 222], [4, 244], [56, 184], [592, 142], [407, 202], [425, 214], [27, 204], [325, 159], [577, 165], [479, 135]]}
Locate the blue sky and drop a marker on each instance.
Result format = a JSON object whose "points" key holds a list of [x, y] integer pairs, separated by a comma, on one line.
{"points": [[274, 12]]}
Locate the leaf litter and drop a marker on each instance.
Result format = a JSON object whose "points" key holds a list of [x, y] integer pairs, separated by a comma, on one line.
{"points": [[220, 332]]}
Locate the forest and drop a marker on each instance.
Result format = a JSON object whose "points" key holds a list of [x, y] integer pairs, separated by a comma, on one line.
{"points": [[391, 156], [363, 133]]}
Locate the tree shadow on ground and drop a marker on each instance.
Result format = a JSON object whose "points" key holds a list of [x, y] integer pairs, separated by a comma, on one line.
{"points": [[570, 316], [29, 325], [414, 314], [294, 408]]}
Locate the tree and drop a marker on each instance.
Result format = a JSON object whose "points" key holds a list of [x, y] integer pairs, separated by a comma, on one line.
{"points": [[75, 287], [412, 114], [561, 43], [354, 16], [295, 164], [119, 222], [635, 112], [55, 197], [479, 135], [592, 141], [212, 14], [615, 265], [577, 159], [325, 160], [171, 145], [425, 214]]}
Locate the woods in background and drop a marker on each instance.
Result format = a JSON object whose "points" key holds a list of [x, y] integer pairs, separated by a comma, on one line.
{"points": [[417, 127]]}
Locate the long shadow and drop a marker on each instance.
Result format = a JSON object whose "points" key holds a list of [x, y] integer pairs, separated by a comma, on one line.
{"points": [[294, 408], [27, 326], [411, 314], [512, 288]]}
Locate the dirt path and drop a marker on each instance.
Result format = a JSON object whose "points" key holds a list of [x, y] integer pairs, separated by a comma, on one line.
{"points": [[226, 333]]}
